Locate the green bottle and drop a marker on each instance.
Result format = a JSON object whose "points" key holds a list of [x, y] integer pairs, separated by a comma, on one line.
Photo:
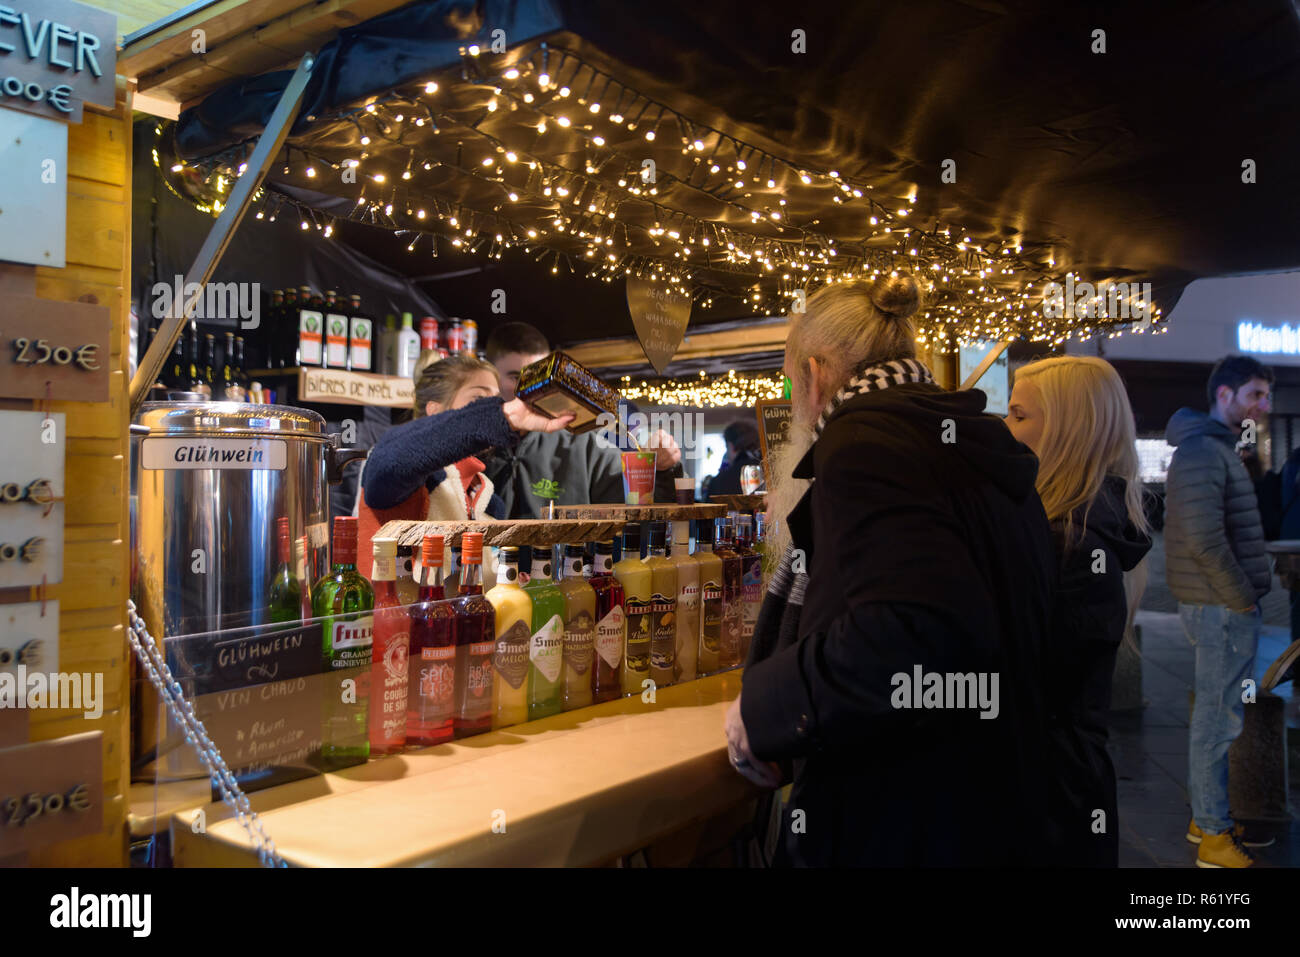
{"points": [[344, 602], [546, 649], [286, 594]]}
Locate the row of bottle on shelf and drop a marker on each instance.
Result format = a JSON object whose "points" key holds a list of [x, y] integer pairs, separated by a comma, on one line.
{"points": [[453, 662], [210, 366]]}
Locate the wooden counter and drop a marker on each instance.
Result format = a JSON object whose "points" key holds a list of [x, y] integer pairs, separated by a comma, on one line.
{"points": [[575, 789]]}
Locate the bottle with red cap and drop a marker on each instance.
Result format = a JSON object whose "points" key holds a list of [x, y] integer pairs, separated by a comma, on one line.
{"points": [[344, 602], [431, 694], [388, 670], [475, 630], [428, 333]]}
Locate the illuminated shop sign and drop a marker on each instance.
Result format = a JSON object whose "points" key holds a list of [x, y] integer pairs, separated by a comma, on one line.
{"points": [[1271, 340]]}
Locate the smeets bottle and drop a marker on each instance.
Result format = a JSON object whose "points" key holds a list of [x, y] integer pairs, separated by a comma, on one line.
{"points": [[637, 581], [546, 646], [611, 627], [514, 618], [663, 608], [688, 602], [285, 602], [751, 582], [711, 607], [579, 630], [431, 693], [389, 668], [733, 597], [475, 629], [344, 602]]}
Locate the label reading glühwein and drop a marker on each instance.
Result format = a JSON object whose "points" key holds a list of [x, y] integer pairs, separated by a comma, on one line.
{"points": [[579, 636], [638, 635], [511, 658], [711, 623], [547, 649], [611, 633], [663, 628]]}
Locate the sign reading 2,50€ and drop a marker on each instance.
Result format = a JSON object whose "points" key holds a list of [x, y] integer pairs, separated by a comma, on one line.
{"points": [[55, 56]]}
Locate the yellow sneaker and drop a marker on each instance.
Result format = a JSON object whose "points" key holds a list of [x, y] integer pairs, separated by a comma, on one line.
{"points": [[1222, 850], [1245, 838]]}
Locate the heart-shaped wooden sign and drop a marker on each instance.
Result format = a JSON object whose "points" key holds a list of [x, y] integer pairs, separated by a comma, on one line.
{"points": [[660, 312]]}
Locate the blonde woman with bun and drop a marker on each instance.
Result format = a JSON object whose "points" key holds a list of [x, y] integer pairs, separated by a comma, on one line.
{"points": [[894, 670], [1074, 413]]}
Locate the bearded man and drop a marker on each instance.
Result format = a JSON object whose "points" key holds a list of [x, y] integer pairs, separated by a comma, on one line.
{"points": [[894, 674]]}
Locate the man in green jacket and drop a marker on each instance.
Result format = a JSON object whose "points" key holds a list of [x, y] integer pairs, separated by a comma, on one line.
{"points": [[1217, 568]]}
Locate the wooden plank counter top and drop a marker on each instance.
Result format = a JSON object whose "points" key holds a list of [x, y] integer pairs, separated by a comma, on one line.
{"points": [[574, 789]]}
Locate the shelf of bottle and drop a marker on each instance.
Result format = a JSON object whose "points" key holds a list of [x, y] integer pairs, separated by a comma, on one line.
{"points": [[317, 385]]}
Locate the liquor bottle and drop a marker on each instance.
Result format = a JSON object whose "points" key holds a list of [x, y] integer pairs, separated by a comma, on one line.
{"points": [[389, 668], [688, 602], [428, 333], [286, 332], [174, 372], [241, 375], [208, 376], [310, 350], [637, 581], [408, 348], [751, 579], [226, 383], [711, 607], [386, 346], [336, 333], [408, 590], [285, 603], [546, 646], [455, 340], [431, 694], [194, 359], [272, 329], [475, 629], [344, 602], [470, 331], [733, 598], [611, 627], [663, 608], [579, 630], [514, 617], [361, 330], [760, 535]]}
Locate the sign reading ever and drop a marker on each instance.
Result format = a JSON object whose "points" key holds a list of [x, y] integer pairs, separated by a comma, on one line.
{"points": [[660, 313], [55, 56]]}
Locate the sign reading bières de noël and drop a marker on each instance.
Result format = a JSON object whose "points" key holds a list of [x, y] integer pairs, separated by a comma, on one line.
{"points": [[56, 56]]}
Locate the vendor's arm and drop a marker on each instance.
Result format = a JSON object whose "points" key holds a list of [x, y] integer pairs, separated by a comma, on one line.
{"points": [[407, 455]]}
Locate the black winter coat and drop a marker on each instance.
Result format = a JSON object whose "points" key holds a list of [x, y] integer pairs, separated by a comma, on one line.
{"points": [[1088, 626], [927, 547]]}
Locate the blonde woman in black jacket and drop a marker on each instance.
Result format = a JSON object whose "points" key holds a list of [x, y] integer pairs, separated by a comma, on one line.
{"points": [[1074, 413]]}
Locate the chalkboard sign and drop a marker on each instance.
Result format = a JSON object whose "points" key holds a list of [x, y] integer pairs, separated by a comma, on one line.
{"points": [[659, 313], [773, 430]]}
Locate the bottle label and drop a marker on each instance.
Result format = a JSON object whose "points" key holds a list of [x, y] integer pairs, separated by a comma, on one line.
{"points": [[711, 616], [336, 341], [310, 324], [663, 628], [732, 624], [392, 690], [351, 641], [437, 681], [604, 564], [385, 569], [611, 635], [511, 658], [688, 597], [546, 650], [752, 584], [637, 651], [359, 344], [579, 637]]}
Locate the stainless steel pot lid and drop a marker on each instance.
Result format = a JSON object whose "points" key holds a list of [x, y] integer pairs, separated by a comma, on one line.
{"points": [[189, 418]]}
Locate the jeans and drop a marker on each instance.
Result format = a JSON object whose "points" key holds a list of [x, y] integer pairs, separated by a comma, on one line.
{"points": [[1225, 643]]}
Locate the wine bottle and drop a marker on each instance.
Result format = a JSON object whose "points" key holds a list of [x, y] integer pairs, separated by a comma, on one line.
{"points": [[228, 388], [241, 375], [611, 626], [271, 330], [476, 631], [431, 694], [344, 602], [285, 603]]}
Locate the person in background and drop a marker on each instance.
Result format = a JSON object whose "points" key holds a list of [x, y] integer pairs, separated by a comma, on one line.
{"points": [[927, 554], [1217, 568], [1074, 413], [558, 465], [741, 438], [429, 469]]}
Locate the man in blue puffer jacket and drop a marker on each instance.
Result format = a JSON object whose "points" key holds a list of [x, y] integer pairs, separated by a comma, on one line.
{"points": [[1217, 568]]}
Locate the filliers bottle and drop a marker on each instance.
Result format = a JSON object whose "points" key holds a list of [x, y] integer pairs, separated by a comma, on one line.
{"points": [[751, 579], [344, 602], [663, 608], [636, 579], [546, 647], [711, 610], [688, 602]]}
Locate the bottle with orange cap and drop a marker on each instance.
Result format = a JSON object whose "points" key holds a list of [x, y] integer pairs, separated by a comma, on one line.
{"points": [[431, 694], [475, 635]]}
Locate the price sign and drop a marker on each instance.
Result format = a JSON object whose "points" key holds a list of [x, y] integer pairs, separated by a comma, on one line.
{"points": [[51, 791], [59, 349]]}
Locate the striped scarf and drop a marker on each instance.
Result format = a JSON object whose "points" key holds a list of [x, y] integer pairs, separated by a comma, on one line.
{"points": [[778, 619]]}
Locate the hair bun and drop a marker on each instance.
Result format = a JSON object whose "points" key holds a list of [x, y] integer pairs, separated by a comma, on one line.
{"points": [[896, 296]]}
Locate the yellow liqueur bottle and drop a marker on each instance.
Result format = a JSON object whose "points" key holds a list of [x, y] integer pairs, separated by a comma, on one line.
{"points": [[514, 616], [663, 608], [635, 577]]}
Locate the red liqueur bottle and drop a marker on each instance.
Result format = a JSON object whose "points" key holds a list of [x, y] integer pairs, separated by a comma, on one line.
{"points": [[388, 662], [611, 627], [431, 693], [475, 631]]}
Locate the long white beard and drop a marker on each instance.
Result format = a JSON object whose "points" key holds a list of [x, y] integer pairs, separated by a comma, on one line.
{"points": [[784, 491]]}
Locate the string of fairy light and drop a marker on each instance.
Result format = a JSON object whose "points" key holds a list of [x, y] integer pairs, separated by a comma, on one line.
{"points": [[734, 389], [422, 149]]}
